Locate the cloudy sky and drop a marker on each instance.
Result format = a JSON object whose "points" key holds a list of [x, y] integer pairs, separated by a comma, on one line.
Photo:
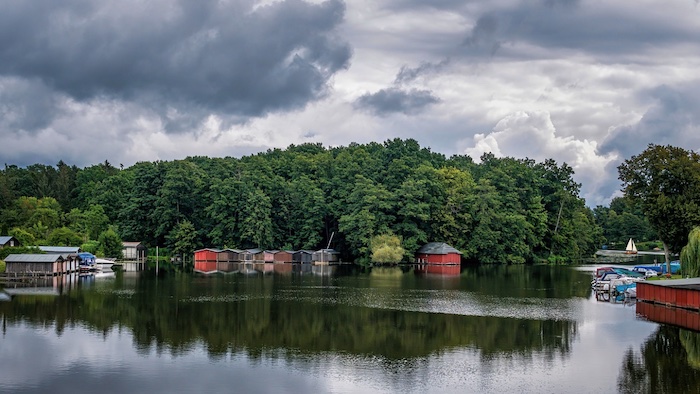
{"points": [[585, 82]]}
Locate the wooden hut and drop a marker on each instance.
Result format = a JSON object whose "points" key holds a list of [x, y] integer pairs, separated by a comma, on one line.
{"points": [[230, 255], [205, 260], [438, 253], [133, 251], [7, 241], [283, 256], [303, 256], [34, 264], [325, 256], [269, 256]]}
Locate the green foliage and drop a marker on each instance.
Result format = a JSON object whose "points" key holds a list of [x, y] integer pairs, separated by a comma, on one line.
{"points": [[2, 266], [92, 246], [183, 239], [23, 236], [664, 182], [386, 248], [690, 254], [4, 252], [64, 237], [502, 210], [110, 244]]}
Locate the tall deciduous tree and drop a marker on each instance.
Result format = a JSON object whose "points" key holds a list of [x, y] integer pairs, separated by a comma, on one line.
{"points": [[665, 182]]}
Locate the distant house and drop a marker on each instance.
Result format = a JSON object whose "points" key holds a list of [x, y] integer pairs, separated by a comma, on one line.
{"points": [[8, 241], [64, 250], [250, 255], [269, 256], [42, 264], [283, 256], [438, 253], [134, 251], [205, 260], [302, 256], [230, 255], [325, 256]]}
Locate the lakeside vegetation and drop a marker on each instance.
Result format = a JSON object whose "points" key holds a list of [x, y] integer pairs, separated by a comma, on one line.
{"points": [[500, 210]]}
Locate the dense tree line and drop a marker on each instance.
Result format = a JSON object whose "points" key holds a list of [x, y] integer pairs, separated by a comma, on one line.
{"points": [[501, 210]]}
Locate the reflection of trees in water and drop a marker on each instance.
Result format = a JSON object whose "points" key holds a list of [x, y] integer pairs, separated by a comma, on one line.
{"points": [[260, 317], [667, 364]]}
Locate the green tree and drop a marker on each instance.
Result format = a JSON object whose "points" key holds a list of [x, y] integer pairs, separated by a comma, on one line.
{"points": [[183, 239], [64, 236], [24, 237], [690, 254], [665, 182], [110, 243]]}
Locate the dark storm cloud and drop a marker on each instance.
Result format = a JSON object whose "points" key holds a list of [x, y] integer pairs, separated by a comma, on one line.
{"points": [[208, 56], [408, 74], [672, 119], [393, 100], [26, 105]]}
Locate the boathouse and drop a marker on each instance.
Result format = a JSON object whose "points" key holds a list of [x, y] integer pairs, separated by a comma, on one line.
{"points": [[302, 256], [133, 251], [438, 253], [269, 256], [35, 264], [283, 256], [64, 250], [8, 241], [205, 260], [679, 293], [230, 255], [325, 256]]}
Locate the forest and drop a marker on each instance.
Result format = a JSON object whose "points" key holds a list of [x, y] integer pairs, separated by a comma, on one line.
{"points": [[497, 210]]}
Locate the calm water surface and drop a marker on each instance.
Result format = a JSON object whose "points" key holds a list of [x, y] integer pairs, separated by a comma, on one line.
{"points": [[300, 329]]}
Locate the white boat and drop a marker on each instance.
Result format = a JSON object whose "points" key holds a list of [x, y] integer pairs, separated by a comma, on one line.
{"points": [[631, 247], [103, 264]]}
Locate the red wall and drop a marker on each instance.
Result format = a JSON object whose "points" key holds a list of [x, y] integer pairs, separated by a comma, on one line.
{"points": [[451, 258], [205, 266], [205, 255], [675, 296], [669, 315]]}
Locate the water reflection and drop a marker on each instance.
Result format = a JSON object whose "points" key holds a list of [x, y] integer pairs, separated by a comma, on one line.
{"points": [[662, 364], [297, 328]]}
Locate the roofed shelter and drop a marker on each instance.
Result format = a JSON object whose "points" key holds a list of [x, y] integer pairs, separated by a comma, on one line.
{"points": [[438, 253], [33, 264], [8, 241]]}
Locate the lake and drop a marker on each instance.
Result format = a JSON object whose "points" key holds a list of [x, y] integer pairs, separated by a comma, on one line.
{"points": [[338, 329]]}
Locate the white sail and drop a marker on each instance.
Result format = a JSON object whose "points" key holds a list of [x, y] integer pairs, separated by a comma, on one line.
{"points": [[631, 247]]}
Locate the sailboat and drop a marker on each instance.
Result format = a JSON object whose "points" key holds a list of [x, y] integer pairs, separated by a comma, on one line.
{"points": [[631, 247]]}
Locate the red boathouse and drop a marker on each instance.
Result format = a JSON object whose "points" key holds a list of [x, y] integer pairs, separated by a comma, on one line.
{"points": [[205, 260], [438, 253]]}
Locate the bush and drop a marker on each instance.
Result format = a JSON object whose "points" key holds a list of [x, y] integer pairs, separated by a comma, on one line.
{"points": [[2, 266], [386, 249]]}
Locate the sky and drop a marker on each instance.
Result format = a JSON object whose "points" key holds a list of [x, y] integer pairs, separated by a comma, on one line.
{"points": [[585, 82]]}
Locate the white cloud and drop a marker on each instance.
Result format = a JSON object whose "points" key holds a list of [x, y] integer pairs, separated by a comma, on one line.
{"points": [[533, 135]]}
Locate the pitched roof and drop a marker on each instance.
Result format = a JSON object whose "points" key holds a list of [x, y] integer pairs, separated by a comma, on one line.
{"points": [[437, 248], [5, 239], [60, 249], [128, 244], [33, 258]]}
